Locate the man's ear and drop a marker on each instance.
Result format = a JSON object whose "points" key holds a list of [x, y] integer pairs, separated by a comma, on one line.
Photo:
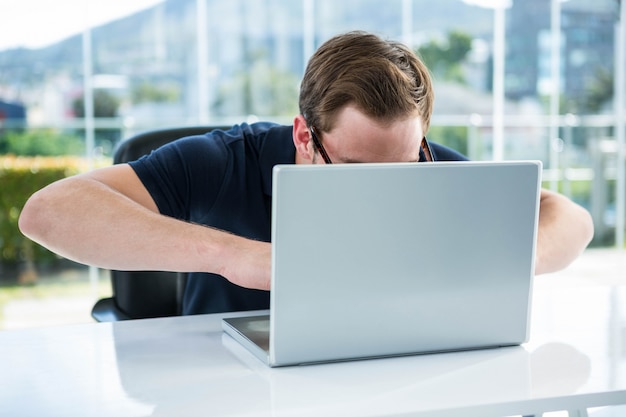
{"points": [[302, 141]]}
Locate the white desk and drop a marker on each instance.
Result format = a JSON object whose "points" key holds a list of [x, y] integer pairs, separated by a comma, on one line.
{"points": [[576, 358]]}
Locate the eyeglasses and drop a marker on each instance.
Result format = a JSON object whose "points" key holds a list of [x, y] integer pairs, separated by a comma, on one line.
{"points": [[426, 153], [319, 146]]}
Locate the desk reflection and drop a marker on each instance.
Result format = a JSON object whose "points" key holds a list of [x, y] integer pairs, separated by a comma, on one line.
{"points": [[195, 373]]}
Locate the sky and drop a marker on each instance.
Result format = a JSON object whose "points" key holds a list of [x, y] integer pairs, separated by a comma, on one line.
{"points": [[38, 23]]}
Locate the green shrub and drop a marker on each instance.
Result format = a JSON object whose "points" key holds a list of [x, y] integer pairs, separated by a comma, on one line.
{"points": [[41, 142], [20, 177]]}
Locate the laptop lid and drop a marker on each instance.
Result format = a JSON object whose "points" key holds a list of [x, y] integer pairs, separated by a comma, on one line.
{"points": [[374, 260]]}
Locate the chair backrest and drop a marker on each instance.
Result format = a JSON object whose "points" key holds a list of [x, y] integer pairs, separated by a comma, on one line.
{"points": [[145, 294]]}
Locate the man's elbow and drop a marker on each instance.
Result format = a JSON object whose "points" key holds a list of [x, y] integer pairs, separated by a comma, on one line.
{"points": [[580, 236], [586, 228], [562, 244], [32, 219], [589, 229]]}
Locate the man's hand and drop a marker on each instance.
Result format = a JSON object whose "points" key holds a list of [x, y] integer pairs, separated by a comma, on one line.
{"points": [[248, 263]]}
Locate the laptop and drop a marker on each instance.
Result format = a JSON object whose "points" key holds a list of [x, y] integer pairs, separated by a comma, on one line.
{"points": [[390, 259]]}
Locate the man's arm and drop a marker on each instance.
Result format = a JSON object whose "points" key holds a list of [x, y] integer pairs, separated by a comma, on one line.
{"points": [[565, 230], [107, 218]]}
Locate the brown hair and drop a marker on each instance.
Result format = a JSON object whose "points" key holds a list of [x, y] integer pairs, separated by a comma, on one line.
{"points": [[384, 79]]}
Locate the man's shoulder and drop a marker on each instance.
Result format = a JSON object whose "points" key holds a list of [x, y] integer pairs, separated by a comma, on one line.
{"points": [[445, 153], [253, 133], [244, 135], [265, 130]]}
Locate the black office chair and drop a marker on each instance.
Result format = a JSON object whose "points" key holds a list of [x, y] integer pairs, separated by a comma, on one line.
{"points": [[145, 294]]}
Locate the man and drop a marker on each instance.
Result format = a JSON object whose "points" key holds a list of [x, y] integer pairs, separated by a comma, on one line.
{"points": [[202, 204]]}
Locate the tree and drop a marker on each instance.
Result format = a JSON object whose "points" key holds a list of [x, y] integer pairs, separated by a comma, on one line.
{"points": [[105, 104], [600, 90], [444, 59], [146, 92]]}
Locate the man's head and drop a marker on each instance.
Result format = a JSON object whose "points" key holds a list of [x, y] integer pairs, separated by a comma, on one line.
{"points": [[368, 100], [383, 79]]}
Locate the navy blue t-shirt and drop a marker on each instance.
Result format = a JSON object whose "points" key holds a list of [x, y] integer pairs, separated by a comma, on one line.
{"points": [[223, 179]]}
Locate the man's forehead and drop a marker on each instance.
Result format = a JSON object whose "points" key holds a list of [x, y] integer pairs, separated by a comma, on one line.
{"points": [[358, 138], [352, 118]]}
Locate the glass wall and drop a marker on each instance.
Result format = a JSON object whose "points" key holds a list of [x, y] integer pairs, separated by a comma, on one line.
{"points": [[67, 100]]}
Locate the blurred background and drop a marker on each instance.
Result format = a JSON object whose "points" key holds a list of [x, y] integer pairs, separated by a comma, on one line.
{"points": [[520, 79]]}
